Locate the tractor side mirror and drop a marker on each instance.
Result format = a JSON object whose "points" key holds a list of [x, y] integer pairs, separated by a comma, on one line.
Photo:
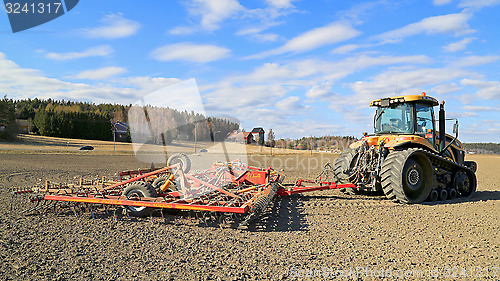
{"points": [[455, 128]]}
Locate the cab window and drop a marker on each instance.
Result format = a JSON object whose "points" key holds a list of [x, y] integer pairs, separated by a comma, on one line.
{"points": [[425, 121], [394, 119]]}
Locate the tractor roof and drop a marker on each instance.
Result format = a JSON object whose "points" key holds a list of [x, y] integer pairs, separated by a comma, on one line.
{"points": [[402, 99]]}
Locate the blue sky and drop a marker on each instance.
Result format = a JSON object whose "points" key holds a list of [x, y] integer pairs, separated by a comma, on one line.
{"points": [[299, 67]]}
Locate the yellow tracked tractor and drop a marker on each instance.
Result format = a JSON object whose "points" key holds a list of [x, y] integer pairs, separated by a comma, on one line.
{"points": [[407, 157]]}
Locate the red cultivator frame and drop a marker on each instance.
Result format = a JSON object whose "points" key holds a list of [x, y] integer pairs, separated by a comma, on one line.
{"points": [[232, 190]]}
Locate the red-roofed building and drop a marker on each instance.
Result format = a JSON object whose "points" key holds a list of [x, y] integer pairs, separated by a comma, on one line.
{"points": [[248, 137]]}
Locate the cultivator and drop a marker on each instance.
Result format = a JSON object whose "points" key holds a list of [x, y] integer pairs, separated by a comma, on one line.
{"points": [[228, 193]]}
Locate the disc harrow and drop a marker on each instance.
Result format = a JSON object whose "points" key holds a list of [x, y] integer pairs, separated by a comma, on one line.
{"points": [[231, 193]]}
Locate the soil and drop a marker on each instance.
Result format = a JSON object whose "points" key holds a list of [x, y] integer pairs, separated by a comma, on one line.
{"points": [[306, 235]]}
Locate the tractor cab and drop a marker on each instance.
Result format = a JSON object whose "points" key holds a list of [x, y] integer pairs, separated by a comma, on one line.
{"points": [[406, 115]]}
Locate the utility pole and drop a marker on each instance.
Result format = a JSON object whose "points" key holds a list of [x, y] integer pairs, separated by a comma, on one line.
{"points": [[310, 145], [114, 134]]}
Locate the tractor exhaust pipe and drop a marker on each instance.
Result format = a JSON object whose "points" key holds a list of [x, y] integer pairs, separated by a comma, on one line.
{"points": [[442, 132]]}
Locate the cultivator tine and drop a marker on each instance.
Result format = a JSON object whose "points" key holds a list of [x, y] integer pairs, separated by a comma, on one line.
{"points": [[115, 215], [19, 197], [91, 212], [74, 210], [163, 216], [40, 205]]}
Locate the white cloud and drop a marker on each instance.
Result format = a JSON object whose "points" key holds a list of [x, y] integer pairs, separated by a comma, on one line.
{"points": [[489, 90], [474, 61], [100, 73], [213, 12], [102, 51], [351, 47], [20, 83], [322, 90], [452, 23], [357, 14], [309, 72], [182, 30], [441, 2], [400, 82], [306, 127], [315, 38], [190, 52], [255, 33], [485, 131], [149, 84], [280, 4], [271, 94], [480, 108], [274, 72], [445, 88], [292, 103], [477, 4], [113, 26], [345, 49], [460, 114], [243, 101], [459, 45]]}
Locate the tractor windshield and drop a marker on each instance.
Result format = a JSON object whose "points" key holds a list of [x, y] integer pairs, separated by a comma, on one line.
{"points": [[394, 119]]}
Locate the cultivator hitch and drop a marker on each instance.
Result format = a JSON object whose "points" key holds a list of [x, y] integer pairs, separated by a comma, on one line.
{"points": [[227, 193]]}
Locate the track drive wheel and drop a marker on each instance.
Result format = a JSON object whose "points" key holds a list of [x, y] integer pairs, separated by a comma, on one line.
{"points": [[345, 161], [136, 191], [407, 176], [181, 158]]}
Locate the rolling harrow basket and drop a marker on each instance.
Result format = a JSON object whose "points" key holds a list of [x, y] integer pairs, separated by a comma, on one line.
{"points": [[228, 193]]}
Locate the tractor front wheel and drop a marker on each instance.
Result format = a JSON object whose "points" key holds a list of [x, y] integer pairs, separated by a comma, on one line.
{"points": [[406, 176], [342, 170]]}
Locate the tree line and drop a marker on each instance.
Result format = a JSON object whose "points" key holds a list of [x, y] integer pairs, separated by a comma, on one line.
{"points": [[83, 120], [162, 124], [8, 126], [324, 143], [482, 148]]}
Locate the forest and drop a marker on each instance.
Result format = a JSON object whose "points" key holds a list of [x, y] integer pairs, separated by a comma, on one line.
{"points": [[82, 120]]}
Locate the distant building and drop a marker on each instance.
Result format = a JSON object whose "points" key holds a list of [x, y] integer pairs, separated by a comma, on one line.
{"points": [[255, 136], [248, 137], [24, 126], [236, 136], [120, 131], [258, 135]]}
